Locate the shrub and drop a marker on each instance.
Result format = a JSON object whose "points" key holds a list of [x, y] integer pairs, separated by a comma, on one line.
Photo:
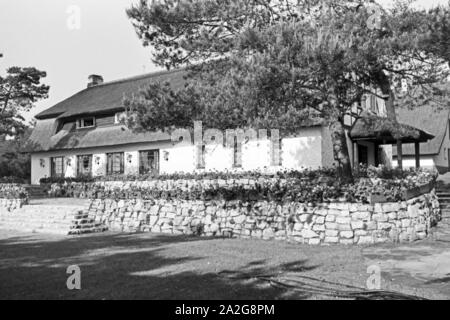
{"points": [[12, 180]]}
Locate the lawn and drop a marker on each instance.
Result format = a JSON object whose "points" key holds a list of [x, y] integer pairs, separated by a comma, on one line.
{"points": [[149, 266]]}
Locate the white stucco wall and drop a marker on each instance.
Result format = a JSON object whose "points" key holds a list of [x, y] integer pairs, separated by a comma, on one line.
{"points": [[256, 155], [177, 159], [131, 164], [99, 162], [410, 162], [218, 158], [39, 171], [387, 155], [302, 151]]}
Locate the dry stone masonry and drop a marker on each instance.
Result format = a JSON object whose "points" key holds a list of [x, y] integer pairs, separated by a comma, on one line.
{"points": [[333, 223]]}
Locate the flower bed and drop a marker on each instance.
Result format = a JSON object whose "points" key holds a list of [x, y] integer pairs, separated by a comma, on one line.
{"points": [[320, 186], [13, 191]]}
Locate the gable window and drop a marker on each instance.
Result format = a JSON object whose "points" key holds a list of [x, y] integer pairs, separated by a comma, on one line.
{"points": [[57, 167], [84, 165], [149, 162], [376, 106], [86, 123], [115, 163]]}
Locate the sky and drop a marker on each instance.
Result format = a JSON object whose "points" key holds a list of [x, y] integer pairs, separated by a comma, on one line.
{"points": [[44, 34], [51, 36]]}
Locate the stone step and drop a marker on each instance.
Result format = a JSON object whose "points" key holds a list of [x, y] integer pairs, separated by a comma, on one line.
{"points": [[81, 221], [87, 231], [86, 226], [36, 192], [57, 218]]}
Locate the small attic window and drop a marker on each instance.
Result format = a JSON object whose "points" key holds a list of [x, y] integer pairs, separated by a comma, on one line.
{"points": [[86, 123]]}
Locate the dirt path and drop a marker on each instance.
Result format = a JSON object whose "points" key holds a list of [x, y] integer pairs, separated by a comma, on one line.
{"points": [[424, 265]]}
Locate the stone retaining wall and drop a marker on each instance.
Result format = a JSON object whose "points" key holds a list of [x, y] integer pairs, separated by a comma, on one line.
{"points": [[334, 223], [12, 204]]}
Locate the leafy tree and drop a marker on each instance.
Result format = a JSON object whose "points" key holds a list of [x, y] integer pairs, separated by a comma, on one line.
{"points": [[279, 63], [15, 162], [20, 89]]}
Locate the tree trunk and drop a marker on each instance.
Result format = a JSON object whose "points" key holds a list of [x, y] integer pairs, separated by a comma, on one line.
{"points": [[340, 149]]}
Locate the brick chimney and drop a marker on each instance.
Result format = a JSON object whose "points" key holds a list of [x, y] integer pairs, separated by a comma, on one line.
{"points": [[94, 80]]}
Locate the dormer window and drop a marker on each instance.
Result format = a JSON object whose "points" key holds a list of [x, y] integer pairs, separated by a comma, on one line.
{"points": [[376, 106], [86, 123]]}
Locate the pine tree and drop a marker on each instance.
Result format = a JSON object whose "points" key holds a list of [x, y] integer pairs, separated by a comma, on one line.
{"points": [[277, 64]]}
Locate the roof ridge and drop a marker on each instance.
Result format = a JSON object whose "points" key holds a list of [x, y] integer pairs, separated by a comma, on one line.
{"points": [[153, 74], [123, 81]]}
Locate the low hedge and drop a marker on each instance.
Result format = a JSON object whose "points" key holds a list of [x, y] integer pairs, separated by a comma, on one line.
{"points": [[310, 186]]}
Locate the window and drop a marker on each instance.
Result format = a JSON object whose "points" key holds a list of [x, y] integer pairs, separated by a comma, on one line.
{"points": [[84, 165], [115, 163], [377, 106], [119, 117], [149, 162], [86, 123], [373, 104], [57, 167]]}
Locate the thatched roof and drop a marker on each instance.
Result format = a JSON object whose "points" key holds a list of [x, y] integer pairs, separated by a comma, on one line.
{"points": [[100, 99], [44, 139], [386, 130], [109, 96]]}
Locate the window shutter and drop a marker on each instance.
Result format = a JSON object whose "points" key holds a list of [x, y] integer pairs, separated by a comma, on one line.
{"points": [[122, 164]]}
